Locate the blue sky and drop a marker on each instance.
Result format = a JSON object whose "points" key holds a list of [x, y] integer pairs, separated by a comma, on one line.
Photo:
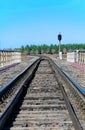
{"points": [[38, 22]]}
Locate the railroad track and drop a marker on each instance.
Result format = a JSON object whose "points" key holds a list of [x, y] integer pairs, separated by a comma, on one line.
{"points": [[41, 101], [7, 73], [76, 73]]}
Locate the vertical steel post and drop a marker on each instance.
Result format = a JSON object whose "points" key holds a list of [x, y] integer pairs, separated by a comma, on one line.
{"points": [[59, 38]]}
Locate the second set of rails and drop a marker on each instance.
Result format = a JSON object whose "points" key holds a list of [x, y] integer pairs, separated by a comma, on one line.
{"points": [[43, 102]]}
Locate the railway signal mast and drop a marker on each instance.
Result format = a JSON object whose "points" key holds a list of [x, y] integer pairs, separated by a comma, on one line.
{"points": [[60, 38]]}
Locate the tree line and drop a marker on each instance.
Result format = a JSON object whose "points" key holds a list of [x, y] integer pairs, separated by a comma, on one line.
{"points": [[50, 49]]}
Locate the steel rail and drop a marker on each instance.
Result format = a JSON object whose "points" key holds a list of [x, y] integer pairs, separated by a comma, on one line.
{"points": [[11, 105], [71, 110], [73, 81], [3, 69], [8, 86], [73, 115]]}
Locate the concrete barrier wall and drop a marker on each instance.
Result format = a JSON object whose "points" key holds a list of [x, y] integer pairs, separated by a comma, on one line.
{"points": [[77, 56], [9, 57], [71, 56]]}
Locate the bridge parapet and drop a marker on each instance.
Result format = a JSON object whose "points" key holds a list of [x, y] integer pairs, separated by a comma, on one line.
{"points": [[9, 57], [77, 56]]}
